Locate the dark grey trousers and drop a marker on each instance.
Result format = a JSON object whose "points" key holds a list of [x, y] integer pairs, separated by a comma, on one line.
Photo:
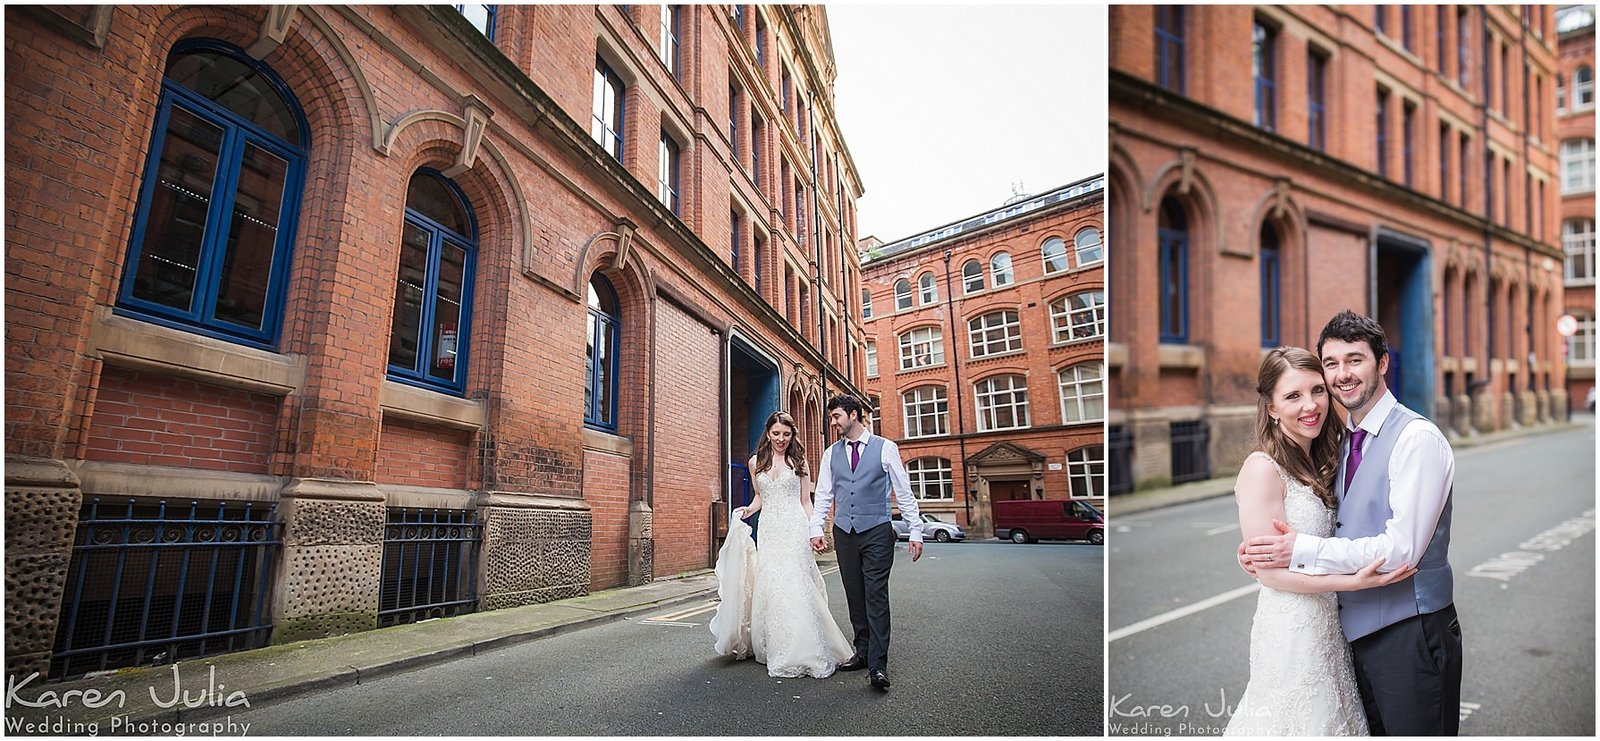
{"points": [[1409, 674], [864, 561]]}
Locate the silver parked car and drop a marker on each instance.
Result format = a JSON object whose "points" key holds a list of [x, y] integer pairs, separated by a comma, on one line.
{"points": [[932, 527]]}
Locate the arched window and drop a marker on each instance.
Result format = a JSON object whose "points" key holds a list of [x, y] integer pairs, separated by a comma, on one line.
{"points": [[433, 287], [1083, 393], [1054, 252], [902, 294], [1173, 255], [930, 478], [1000, 269], [600, 392], [972, 276], [1002, 403], [1577, 239], [927, 289], [1271, 316], [866, 303], [995, 333], [1583, 88], [1088, 246], [927, 411], [1086, 471], [1081, 316], [215, 221], [921, 348]]}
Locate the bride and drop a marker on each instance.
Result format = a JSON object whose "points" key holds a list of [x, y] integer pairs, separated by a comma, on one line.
{"points": [[777, 611], [1301, 678]]}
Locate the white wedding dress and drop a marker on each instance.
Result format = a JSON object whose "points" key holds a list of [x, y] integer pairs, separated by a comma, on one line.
{"points": [[1302, 682], [774, 605]]}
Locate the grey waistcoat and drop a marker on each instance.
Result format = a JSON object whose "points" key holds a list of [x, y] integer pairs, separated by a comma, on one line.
{"points": [[1362, 514], [860, 497]]}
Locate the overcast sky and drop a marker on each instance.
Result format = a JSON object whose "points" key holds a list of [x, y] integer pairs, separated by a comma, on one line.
{"points": [[945, 107]]}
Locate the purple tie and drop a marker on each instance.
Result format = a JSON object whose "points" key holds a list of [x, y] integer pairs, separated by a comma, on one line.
{"points": [[855, 454], [1354, 461]]}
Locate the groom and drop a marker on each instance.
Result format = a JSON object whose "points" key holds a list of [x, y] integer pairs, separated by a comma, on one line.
{"points": [[859, 472], [1394, 488]]}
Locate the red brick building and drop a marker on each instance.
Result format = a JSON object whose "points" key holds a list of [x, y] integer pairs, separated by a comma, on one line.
{"points": [[1272, 165], [1575, 127], [984, 353], [398, 311]]}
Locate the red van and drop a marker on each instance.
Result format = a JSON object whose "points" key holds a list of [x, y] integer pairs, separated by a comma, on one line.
{"points": [[1024, 521]]}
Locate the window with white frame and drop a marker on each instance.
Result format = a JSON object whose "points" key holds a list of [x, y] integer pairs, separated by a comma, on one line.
{"points": [[1577, 237], [671, 27], [1577, 166], [1580, 346], [872, 359], [972, 276], [930, 478], [927, 411], [921, 348], [866, 303], [667, 174], [1583, 88], [606, 125], [995, 333], [927, 289], [1083, 393], [1080, 316], [1000, 269], [1002, 403], [902, 294], [1086, 471], [480, 16], [1088, 246], [1054, 252]]}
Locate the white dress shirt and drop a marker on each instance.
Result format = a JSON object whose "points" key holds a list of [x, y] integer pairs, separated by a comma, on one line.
{"points": [[898, 480], [1422, 469]]}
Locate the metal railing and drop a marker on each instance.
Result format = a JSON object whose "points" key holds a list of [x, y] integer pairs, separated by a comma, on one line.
{"points": [[430, 564], [1191, 460], [152, 583]]}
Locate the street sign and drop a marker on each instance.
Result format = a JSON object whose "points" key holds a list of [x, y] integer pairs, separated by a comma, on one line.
{"points": [[1567, 325]]}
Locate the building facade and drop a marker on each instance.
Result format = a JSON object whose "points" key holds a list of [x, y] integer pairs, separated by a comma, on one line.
{"points": [[1399, 161], [1575, 127], [984, 353], [321, 318]]}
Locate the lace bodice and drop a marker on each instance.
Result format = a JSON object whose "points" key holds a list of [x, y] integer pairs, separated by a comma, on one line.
{"points": [[1302, 509], [779, 487]]}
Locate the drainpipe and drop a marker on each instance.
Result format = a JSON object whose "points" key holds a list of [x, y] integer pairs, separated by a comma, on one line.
{"points": [[1488, 209], [816, 267], [1529, 113], [961, 404]]}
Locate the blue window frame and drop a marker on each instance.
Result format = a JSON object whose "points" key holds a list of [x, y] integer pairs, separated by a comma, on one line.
{"points": [[428, 337], [755, 148], [755, 260], [214, 227], [609, 113], [600, 392], [735, 237], [668, 170], [1264, 43], [1408, 119], [1383, 132], [1169, 47], [481, 16], [671, 30], [1463, 47], [1405, 26], [761, 42], [1271, 284], [1173, 237], [738, 17], [1316, 100], [1380, 21], [733, 120]]}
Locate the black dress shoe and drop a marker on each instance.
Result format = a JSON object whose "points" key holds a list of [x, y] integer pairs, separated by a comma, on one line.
{"points": [[880, 678], [856, 663]]}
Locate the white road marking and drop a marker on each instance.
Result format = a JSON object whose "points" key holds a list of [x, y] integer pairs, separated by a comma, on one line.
{"points": [[1467, 708], [1182, 612], [1222, 529], [676, 616], [1512, 563]]}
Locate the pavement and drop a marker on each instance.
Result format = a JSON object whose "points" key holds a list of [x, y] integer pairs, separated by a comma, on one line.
{"points": [[1153, 499], [125, 699]]}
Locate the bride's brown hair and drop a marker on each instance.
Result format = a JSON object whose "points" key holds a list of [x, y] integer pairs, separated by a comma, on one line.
{"points": [[795, 454], [1318, 469]]}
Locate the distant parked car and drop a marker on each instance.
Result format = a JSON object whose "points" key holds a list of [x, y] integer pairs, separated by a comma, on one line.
{"points": [[1590, 403], [1027, 520], [932, 527]]}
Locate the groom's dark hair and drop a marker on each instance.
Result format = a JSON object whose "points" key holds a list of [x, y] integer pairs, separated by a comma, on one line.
{"points": [[1348, 326], [850, 404]]}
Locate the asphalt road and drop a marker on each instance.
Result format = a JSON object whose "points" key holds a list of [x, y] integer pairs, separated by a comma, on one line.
{"points": [[1180, 608], [989, 638]]}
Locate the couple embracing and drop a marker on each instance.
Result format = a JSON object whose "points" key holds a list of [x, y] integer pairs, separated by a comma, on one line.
{"points": [[1361, 509], [774, 605]]}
